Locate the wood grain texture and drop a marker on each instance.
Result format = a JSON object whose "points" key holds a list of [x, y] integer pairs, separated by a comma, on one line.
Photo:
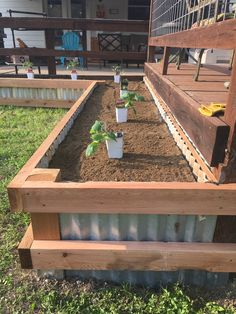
{"points": [[129, 197], [156, 256], [221, 35], [16, 184], [82, 24], [44, 83], [42, 103], [24, 249], [45, 226], [185, 139], [209, 134]]}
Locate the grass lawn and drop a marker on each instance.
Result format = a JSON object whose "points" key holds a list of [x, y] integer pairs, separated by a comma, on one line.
{"points": [[21, 132]]}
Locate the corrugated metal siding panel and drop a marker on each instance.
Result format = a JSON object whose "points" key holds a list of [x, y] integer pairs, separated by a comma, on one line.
{"points": [[132, 227], [41, 93], [31, 38]]}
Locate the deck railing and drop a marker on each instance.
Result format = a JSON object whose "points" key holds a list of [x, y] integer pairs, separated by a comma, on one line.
{"points": [[49, 25]]}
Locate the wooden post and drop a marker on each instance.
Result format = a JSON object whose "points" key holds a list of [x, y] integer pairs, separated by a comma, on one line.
{"points": [[50, 41], [227, 172], [45, 226], [151, 49], [165, 60]]}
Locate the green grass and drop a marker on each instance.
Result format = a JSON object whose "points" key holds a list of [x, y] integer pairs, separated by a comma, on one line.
{"points": [[21, 132]]}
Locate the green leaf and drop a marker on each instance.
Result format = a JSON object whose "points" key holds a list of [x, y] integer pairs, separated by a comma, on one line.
{"points": [[97, 127], [91, 149], [98, 137], [110, 136], [139, 98]]}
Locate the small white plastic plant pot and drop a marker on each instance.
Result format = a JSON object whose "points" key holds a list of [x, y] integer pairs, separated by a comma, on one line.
{"points": [[123, 93], [74, 76], [121, 115], [115, 148], [117, 79], [30, 75]]}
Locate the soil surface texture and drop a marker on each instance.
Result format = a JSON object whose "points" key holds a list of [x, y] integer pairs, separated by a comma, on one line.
{"points": [[150, 152]]}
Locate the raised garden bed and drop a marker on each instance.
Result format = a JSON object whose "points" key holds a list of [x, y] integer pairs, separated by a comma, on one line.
{"points": [[140, 216], [150, 152]]}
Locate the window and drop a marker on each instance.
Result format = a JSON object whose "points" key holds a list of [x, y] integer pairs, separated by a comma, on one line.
{"points": [[138, 9]]}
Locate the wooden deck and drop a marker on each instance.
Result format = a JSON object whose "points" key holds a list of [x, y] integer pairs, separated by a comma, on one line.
{"points": [[210, 86], [184, 96]]}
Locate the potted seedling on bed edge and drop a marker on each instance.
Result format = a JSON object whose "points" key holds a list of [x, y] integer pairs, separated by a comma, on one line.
{"points": [[28, 65], [117, 69], [124, 87], [73, 65], [124, 104], [99, 134]]}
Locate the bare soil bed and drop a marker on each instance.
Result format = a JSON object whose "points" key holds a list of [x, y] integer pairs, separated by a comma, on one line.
{"points": [[150, 152]]}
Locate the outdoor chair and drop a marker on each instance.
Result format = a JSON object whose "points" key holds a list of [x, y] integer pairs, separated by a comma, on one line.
{"points": [[110, 42], [71, 41]]}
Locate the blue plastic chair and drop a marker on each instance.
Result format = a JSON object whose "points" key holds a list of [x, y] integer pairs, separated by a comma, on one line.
{"points": [[71, 41]]}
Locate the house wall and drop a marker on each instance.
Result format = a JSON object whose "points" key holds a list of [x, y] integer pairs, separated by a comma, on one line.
{"points": [[31, 38]]}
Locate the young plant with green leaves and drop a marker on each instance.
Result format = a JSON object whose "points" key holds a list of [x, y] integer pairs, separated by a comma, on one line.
{"points": [[28, 65], [72, 65], [129, 100], [98, 135], [124, 84], [117, 69]]}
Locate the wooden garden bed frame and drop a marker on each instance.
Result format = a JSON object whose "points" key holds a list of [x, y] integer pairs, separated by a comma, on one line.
{"points": [[38, 190]]}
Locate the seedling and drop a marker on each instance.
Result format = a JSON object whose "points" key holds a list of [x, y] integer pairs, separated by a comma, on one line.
{"points": [[124, 84], [98, 135], [72, 65], [129, 101], [117, 69], [28, 65]]}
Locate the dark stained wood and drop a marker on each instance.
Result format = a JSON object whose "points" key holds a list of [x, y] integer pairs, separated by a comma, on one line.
{"points": [[165, 61], [209, 134], [82, 24], [50, 40], [104, 55], [227, 172], [220, 35], [24, 249]]}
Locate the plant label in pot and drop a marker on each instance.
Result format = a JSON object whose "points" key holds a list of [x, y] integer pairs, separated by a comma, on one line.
{"points": [[117, 78], [115, 148], [74, 75]]}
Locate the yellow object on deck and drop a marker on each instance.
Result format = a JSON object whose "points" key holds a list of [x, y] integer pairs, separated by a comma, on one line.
{"points": [[211, 109]]}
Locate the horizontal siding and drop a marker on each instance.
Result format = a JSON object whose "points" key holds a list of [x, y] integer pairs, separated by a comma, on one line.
{"points": [[31, 38]]}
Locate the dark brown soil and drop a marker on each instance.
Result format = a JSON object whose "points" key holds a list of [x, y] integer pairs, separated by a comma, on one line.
{"points": [[150, 153]]}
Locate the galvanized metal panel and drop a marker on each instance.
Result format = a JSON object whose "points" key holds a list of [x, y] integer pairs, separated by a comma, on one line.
{"points": [[130, 227]]}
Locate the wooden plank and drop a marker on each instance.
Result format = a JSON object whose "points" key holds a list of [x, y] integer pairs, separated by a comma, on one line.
{"points": [[45, 226], [220, 35], [209, 134], [50, 40], [132, 255], [195, 154], [24, 249], [42, 103], [81, 24], [165, 60], [103, 55], [45, 83], [44, 174], [129, 198], [15, 185]]}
